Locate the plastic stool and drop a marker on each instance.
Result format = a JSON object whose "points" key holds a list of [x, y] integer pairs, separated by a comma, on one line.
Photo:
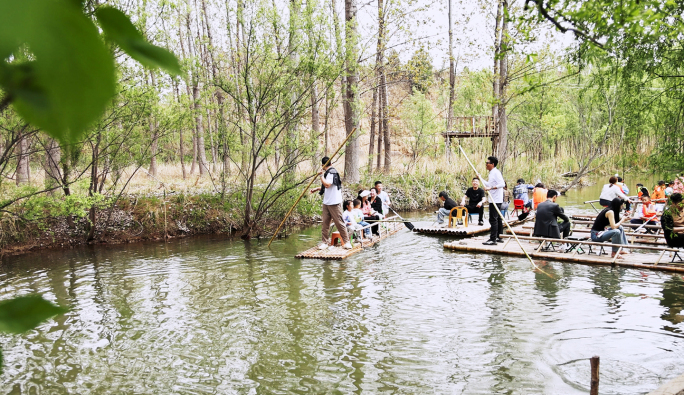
{"points": [[334, 238]]}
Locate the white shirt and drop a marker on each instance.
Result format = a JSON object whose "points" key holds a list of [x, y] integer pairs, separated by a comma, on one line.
{"points": [[332, 195], [348, 217], [611, 192], [358, 214], [385, 199], [496, 181]]}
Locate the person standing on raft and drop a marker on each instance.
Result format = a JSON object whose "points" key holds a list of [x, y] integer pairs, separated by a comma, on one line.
{"points": [[331, 189], [495, 186]]}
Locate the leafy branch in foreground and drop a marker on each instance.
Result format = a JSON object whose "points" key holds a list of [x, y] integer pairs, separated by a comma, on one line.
{"points": [[24, 313], [57, 71], [59, 75]]}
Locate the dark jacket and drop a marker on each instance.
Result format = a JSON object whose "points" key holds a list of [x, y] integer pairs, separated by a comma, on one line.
{"points": [[449, 204], [546, 222], [376, 204], [336, 180]]}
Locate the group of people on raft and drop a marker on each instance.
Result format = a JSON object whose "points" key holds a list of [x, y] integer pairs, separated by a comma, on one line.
{"points": [[359, 215], [665, 202], [551, 221], [372, 205]]}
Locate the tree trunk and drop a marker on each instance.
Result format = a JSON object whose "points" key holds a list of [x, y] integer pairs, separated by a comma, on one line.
{"points": [[371, 146], [180, 136], [92, 189], [351, 105], [291, 135], [23, 176], [452, 75], [53, 154], [502, 144], [378, 157], [315, 125], [153, 131], [199, 125], [385, 123], [496, 77]]}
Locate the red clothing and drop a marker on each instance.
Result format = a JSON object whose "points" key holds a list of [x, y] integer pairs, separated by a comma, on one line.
{"points": [[648, 212]]}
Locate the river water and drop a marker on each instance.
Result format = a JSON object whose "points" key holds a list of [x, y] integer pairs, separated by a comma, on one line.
{"points": [[209, 315]]}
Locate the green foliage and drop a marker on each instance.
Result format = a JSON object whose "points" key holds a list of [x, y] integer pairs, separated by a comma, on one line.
{"points": [[420, 123], [419, 69], [57, 71], [62, 75], [119, 29], [24, 313]]}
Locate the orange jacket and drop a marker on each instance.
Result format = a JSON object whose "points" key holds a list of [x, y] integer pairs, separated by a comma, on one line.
{"points": [[538, 196], [658, 192]]}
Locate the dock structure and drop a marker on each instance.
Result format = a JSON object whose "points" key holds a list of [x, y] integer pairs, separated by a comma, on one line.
{"points": [[337, 253], [583, 252], [470, 230], [469, 127]]}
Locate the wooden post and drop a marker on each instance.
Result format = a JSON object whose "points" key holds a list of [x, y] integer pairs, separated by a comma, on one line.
{"points": [[594, 361]]}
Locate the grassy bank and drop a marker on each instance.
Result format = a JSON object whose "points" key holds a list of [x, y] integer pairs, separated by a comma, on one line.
{"points": [[167, 206]]}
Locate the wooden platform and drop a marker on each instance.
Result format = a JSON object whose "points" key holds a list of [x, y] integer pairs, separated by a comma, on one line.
{"points": [[336, 253], [471, 230], [639, 258], [632, 238]]}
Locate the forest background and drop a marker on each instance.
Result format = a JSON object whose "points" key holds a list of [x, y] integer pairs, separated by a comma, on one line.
{"points": [[267, 87]]}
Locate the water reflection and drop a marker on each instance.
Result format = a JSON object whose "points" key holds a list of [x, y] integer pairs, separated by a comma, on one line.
{"points": [[673, 301], [608, 284], [210, 315]]}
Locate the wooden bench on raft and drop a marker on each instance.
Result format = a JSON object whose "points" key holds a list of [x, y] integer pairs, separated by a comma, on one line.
{"points": [[657, 238], [579, 243], [381, 227]]}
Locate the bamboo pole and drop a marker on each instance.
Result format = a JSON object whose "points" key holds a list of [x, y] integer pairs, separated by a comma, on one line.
{"points": [[498, 211], [307, 187]]}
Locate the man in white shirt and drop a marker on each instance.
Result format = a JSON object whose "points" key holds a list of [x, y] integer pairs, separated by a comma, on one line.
{"points": [[495, 186], [384, 197], [331, 189]]}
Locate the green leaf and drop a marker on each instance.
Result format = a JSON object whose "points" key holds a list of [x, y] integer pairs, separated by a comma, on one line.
{"points": [[24, 313], [67, 79], [119, 29]]}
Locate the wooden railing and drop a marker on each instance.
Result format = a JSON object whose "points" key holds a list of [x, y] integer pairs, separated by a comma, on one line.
{"points": [[463, 127]]}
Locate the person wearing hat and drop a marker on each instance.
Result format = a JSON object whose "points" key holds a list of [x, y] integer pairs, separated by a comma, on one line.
{"points": [[331, 189], [521, 192]]}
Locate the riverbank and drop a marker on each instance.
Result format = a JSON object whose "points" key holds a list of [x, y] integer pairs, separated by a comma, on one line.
{"points": [[64, 222]]}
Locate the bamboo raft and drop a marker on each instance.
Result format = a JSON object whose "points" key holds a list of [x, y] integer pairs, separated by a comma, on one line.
{"points": [[632, 238], [584, 252], [470, 230], [337, 253]]}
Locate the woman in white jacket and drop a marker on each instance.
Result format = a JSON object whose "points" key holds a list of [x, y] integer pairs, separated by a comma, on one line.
{"points": [[611, 191]]}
